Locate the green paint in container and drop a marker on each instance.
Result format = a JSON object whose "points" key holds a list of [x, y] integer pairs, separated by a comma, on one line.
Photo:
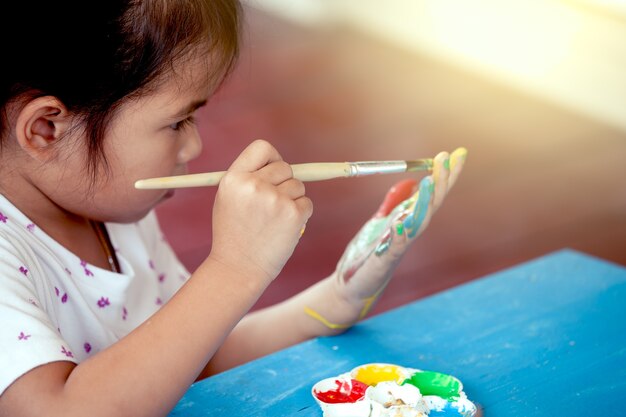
{"points": [[435, 383]]}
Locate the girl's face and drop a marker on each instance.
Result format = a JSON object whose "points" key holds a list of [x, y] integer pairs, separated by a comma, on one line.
{"points": [[151, 136]]}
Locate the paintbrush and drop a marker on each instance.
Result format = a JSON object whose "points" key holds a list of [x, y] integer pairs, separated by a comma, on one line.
{"points": [[317, 171]]}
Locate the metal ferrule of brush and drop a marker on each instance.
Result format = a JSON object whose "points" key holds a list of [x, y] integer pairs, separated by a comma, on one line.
{"points": [[374, 167]]}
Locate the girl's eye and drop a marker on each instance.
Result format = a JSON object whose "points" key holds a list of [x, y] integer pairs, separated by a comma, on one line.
{"points": [[183, 123]]}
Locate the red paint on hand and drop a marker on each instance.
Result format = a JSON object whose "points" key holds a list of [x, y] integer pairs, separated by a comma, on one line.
{"points": [[396, 194]]}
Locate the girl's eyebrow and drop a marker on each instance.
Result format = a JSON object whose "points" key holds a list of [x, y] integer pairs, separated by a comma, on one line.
{"points": [[190, 108]]}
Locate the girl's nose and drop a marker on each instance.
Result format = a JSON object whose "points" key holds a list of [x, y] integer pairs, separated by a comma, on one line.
{"points": [[192, 147]]}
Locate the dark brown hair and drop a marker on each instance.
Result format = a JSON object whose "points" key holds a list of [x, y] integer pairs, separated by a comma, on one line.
{"points": [[93, 56]]}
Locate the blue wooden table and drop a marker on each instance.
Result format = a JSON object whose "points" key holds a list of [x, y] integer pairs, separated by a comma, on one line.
{"points": [[545, 338]]}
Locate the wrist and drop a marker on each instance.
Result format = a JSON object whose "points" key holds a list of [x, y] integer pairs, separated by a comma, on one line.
{"points": [[342, 296], [251, 280], [358, 303], [329, 310], [346, 307]]}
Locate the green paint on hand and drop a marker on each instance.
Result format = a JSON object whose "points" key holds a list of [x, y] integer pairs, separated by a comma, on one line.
{"points": [[400, 228], [435, 383], [446, 164]]}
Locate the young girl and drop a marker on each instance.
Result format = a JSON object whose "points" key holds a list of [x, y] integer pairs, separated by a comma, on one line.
{"points": [[97, 316]]}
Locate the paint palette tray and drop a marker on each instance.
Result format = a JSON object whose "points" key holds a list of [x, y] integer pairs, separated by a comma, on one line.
{"points": [[387, 390]]}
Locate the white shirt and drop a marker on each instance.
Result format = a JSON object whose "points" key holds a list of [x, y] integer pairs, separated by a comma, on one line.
{"points": [[56, 307]]}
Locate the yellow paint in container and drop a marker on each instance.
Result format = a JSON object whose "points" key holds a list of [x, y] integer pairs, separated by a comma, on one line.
{"points": [[373, 373]]}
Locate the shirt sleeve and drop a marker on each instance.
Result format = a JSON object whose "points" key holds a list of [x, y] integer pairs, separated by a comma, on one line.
{"points": [[28, 338]]}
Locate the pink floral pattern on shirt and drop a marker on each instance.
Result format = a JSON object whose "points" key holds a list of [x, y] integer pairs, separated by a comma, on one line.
{"points": [[103, 302], [63, 297], [87, 270], [66, 352]]}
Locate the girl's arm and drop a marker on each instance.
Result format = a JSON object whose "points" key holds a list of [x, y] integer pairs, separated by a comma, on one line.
{"points": [[148, 371], [335, 303]]}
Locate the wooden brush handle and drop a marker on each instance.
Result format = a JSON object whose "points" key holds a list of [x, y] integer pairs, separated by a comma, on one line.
{"points": [[321, 171], [303, 172]]}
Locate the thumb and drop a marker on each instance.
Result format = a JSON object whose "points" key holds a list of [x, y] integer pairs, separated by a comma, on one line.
{"points": [[396, 194]]}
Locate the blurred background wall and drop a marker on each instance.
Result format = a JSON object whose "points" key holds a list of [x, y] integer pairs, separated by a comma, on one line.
{"points": [[570, 51]]}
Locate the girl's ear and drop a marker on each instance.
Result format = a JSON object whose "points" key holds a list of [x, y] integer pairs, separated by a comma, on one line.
{"points": [[39, 125]]}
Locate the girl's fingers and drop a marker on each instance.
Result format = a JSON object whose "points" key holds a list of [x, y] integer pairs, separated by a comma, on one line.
{"points": [[305, 206], [255, 156], [441, 173], [276, 172], [414, 221], [457, 160], [292, 188], [396, 194], [394, 242]]}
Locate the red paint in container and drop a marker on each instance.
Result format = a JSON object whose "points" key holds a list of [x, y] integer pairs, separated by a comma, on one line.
{"points": [[347, 391]]}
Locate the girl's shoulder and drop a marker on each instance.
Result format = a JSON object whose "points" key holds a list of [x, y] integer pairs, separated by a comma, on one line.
{"points": [[23, 239], [17, 236]]}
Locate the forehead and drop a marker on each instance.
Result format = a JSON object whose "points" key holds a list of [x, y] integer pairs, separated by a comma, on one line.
{"points": [[189, 77], [193, 73], [185, 81]]}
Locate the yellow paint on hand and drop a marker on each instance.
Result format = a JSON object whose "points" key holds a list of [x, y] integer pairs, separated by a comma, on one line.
{"points": [[317, 316]]}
